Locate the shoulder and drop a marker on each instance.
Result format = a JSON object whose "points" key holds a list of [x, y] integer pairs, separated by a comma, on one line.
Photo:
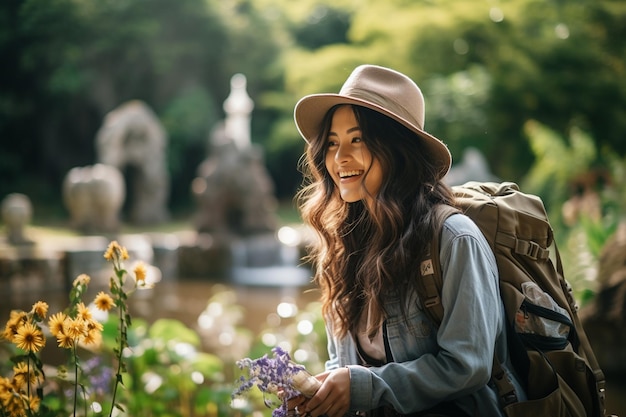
{"points": [[459, 225], [461, 231]]}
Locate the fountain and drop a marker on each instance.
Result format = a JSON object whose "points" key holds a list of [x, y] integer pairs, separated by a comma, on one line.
{"points": [[236, 226], [235, 236]]}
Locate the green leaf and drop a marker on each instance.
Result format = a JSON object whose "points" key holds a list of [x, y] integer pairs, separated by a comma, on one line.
{"points": [[172, 329], [208, 364]]}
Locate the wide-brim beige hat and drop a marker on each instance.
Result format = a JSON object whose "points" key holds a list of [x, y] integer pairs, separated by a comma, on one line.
{"points": [[381, 89]]}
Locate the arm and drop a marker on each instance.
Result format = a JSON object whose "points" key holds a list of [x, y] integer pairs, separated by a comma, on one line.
{"points": [[461, 364]]}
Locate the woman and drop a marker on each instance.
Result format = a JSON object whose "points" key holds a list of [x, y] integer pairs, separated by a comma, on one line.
{"points": [[374, 178]]}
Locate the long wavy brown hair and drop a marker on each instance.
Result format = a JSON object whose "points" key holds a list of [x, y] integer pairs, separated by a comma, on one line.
{"points": [[364, 254]]}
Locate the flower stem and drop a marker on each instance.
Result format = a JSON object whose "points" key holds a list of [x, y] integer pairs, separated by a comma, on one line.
{"points": [[75, 377], [122, 336], [28, 385]]}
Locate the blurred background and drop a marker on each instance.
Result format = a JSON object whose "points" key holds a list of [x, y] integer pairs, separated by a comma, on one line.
{"points": [[487, 68], [532, 91]]}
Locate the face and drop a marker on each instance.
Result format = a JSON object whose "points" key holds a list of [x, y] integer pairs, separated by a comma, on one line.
{"points": [[348, 159]]}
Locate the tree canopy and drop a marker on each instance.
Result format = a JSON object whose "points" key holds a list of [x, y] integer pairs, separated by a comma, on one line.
{"points": [[486, 69]]}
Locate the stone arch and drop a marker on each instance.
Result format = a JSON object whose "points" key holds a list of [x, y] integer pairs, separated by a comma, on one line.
{"points": [[133, 140]]}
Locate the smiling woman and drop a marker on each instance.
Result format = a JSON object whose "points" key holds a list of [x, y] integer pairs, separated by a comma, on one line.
{"points": [[348, 160], [372, 191]]}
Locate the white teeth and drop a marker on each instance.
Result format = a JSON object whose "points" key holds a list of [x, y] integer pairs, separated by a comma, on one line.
{"points": [[344, 174]]}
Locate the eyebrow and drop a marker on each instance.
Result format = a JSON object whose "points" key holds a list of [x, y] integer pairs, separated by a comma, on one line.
{"points": [[352, 129]]}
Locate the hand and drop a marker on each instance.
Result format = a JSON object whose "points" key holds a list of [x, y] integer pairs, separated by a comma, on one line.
{"points": [[296, 403], [333, 397]]}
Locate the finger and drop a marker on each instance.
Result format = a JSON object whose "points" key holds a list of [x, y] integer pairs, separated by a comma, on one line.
{"points": [[295, 401], [295, 405], [313, 406]]}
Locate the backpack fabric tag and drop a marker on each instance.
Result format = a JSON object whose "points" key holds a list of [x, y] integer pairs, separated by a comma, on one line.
{"points": [[426, 267]]}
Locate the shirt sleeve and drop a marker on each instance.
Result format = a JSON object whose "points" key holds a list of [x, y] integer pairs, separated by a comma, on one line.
{"points": [[466, 338], [333, 357]]}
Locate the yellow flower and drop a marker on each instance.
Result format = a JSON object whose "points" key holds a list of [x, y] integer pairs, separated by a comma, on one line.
{"points": [[64, 341], [103, 301], [34, 402], [16, 320], [93, 337], [40, 309], [111, 249], [74, 328], [56, 323], [82, 279], [83, 312], [6, 391], [29, 337], [140, 273], [94, 325], [22, 375], [115, 251]]}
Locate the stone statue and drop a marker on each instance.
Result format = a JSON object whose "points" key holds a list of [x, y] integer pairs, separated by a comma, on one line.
{"points": [[238, 106], [94, 196], [472, 167], [133, 140], [233, 191], [17, 212]]}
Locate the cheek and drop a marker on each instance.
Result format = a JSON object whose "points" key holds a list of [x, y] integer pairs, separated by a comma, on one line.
{"points": [[330, 168]]}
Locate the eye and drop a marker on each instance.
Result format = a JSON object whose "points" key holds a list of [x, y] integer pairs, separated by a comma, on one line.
{"points": [[330, 143], [357, 139]]}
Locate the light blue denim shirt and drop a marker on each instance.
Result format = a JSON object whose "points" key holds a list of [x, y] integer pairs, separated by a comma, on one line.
{"points": [[432, 365]]}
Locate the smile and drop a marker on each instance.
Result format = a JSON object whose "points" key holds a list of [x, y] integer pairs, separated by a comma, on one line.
{"points": [[346, 174]]}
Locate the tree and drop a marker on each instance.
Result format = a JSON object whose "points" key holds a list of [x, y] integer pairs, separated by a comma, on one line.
{"points": [[560, 63]]}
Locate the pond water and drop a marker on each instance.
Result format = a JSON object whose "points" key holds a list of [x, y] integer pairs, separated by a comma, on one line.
{"points": [[183, 300]]}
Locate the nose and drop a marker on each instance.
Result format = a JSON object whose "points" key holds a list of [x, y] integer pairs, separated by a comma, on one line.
{"points": [[342, 154]]}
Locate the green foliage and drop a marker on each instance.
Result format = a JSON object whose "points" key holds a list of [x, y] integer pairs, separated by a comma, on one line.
{"points": [[530, 50], [173, 330], [187, 120], [557, 165], [325, 25], [168, 373], [584, 190], [455, 107], [67, 62]]}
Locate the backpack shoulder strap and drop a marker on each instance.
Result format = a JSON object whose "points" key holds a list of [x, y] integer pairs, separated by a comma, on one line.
{"points": [[430, 282], [429, 290]]}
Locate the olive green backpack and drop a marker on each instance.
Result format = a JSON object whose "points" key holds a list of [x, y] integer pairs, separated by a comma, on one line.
{"points": [[547, 343]]}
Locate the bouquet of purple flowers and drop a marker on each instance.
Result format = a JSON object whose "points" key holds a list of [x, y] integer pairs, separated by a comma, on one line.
{"points": [[279, 376]]}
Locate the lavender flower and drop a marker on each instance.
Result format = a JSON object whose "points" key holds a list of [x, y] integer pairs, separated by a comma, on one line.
{"points": [[99, 375], [275, 375]]}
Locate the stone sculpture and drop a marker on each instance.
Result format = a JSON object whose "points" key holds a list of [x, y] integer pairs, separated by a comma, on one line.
{"points": [[133, 140], [238, 106], [94, 196], [472, 167], [17, 212], [235, 221], [233, 190]]}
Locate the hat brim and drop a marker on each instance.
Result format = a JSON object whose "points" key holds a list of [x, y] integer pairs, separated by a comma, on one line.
{"points": [[310, 111]]}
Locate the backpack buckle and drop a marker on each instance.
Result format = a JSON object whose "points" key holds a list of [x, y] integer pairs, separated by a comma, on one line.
{"points": [[432, 301], [529, 248], [509, 398], [533, 251]]}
